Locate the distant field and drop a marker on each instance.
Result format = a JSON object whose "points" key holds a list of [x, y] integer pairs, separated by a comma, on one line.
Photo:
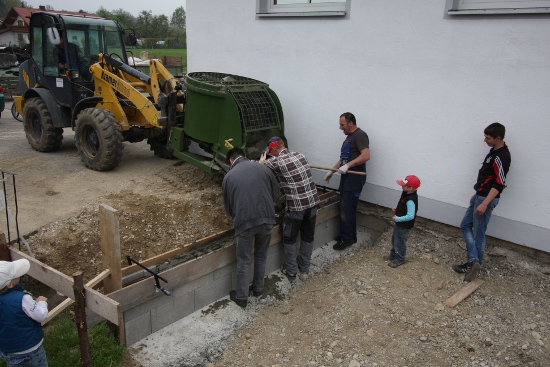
{"points": [[163, 52]]}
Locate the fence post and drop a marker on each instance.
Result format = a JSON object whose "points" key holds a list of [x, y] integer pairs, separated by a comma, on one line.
{"points": [[4, 250], [80, 320]]}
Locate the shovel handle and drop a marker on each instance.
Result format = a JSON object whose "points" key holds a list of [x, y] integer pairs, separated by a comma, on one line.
{"points": [[336, 170]]}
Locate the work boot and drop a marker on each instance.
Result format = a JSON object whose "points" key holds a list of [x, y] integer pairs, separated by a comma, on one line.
{"points": [[285, 272], [395, 263], [341, 245], [387, 258], [240, 302], [339, 238], [474, 269]]}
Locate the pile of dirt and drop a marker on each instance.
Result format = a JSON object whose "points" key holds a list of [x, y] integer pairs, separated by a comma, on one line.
{"points": [[185, 205]]}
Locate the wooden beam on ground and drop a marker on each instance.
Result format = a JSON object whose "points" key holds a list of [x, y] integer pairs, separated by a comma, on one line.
{"points": [[95, 301], [176, 252], [327, 195], [110, 247], [66, 303], [463, 293]]}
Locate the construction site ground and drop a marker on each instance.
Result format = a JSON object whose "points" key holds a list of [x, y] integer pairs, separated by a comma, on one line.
{"points": [[351, 310]]}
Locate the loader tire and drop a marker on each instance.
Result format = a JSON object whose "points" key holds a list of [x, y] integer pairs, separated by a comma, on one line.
{"points": [[158, 146], [98, 139], [41, 134]]}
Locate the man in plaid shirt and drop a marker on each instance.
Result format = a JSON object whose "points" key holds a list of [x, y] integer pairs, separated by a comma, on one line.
{"points": [[294, 176]]}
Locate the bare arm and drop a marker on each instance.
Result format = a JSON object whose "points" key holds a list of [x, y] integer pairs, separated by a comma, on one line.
{"points": [[363, 157], [481, 208]]}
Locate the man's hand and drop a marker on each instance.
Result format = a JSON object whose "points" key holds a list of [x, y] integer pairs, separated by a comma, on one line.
{"points": [[393, 218], [481, 208], [262, 158], [342, 170], [328, 176]]}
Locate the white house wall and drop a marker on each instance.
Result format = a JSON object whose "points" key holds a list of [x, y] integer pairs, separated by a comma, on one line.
{"points": [[422, 84]]}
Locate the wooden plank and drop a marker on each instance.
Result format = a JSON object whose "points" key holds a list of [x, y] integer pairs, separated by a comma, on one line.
{"points": [[95, 301], [328, 212], [66, 303], [463, 293], [145, 290], [110, 247], [327, 195], [172, 253]]}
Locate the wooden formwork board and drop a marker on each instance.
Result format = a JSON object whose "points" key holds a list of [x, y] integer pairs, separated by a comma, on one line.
{"points": [[95, 301]]}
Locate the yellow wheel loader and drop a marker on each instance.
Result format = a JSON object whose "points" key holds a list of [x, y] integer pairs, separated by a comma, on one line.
{"points": [[78, 77]]}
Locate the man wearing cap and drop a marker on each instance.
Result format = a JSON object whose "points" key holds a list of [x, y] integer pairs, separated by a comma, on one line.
{"points": [[249, 191], [294, 176], [21, 334], [490, 184], [353, 156]]}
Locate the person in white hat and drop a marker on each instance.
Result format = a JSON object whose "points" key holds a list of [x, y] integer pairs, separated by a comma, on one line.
{"points": [[21, 334]]}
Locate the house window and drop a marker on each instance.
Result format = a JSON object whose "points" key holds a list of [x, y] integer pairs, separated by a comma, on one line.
{"points": [[301, 8], [463, 7]]}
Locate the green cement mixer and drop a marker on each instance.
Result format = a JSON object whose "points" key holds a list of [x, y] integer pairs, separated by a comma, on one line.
{"points": [[222, 109]]}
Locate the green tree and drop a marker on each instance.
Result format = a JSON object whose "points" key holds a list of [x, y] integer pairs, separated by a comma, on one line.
{"points": [[178, 18], [144, 24], [160, 26], [6, 5]]}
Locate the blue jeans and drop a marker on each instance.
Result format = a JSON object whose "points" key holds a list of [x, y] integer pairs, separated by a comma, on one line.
{"points": [[474, 226], [399, 243], [304, 222], [36, 358], [258, 236]]}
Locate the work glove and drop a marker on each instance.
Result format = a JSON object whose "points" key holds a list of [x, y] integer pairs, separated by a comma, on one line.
{"points": [[342, 170], [328, 176], [262, 158]]}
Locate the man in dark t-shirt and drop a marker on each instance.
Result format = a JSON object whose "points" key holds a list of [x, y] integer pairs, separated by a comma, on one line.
{"points": [[353, 156]]}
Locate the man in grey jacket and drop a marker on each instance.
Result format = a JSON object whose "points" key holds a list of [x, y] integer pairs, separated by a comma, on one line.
{"points": [[249, 192]]}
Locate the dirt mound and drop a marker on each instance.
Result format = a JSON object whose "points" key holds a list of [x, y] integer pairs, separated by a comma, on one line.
{"points": [[182, 205]]}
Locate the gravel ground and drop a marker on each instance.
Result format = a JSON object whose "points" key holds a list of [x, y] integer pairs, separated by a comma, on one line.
{"points": [[354, 310]]}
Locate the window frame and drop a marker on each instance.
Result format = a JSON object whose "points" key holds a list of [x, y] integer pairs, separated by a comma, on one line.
{"points": [[476, 7], [268, 8]]}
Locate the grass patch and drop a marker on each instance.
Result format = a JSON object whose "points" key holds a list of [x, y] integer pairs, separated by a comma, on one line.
{"points": [[63, 350]]}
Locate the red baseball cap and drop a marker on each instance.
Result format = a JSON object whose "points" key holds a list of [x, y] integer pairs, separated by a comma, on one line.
{"points": [[273, 142], [411, 181]]}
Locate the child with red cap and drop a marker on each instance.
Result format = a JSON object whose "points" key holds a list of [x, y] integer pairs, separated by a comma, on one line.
{"points": [[405, 214]]}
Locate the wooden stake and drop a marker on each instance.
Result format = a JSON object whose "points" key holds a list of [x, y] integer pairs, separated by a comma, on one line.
{"points": [[80, 320], [4, 250], [463, 293], [110, 247]]}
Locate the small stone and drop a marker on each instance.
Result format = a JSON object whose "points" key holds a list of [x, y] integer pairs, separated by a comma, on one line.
{"points": [[302, 277], [370, 332], [536, 335], [488, 342], [436, 260], [525, 346], [247, 336], [354, 363], [439, 307], [423, 339]]}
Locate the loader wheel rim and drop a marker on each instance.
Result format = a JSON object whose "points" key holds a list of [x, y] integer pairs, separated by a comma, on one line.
{"points": [[36, 127], [90, 141]]}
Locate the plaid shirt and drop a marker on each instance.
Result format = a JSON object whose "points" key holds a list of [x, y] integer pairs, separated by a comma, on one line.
{"points": [[292, 171]]}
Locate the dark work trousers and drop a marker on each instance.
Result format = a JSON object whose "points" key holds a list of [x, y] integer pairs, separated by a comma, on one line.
{"points": [[258, 237], [304, 222], [350, 190]]}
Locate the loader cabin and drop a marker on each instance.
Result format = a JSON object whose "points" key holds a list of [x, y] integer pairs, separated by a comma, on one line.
{"points": [[64, 46]]}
